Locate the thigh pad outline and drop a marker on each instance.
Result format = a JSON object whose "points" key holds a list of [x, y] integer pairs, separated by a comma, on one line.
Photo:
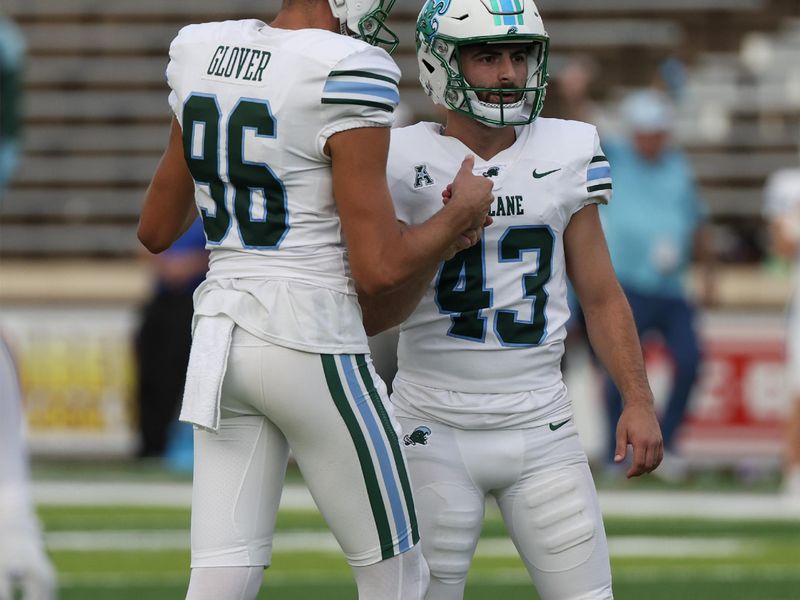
{"points": [[451, 523], [554, 522]]}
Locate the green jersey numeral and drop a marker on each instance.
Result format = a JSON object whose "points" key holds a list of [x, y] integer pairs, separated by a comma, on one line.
{"points": [[249, 180], [461, 292], [461, 288]]}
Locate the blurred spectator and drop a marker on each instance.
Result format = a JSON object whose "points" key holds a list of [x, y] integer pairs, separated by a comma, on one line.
{"points": [[652, 225], [672, 76], [24, 566], [572, 88], [164, 337], [12, 49], [782, 209]]}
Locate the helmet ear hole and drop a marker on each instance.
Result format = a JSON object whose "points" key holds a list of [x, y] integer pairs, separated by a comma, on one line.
{"points": [[428, 66]]}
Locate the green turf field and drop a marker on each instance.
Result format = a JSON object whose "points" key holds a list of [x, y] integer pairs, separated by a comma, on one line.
{"points": [[651, 559]]}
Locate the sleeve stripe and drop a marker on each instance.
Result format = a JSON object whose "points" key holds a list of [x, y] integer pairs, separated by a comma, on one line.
{"points": [[598, 173], [597, 188], [379, 105], [362, 89], [367, 74], [599, 158]]}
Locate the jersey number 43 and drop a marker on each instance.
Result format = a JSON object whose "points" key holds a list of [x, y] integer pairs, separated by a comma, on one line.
{"points": [[462, 293]]}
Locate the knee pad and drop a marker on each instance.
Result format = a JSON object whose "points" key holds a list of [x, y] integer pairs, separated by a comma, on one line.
{"points": [[450, 526], [556, 520]]}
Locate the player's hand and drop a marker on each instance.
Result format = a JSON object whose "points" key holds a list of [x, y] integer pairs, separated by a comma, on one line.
{"points": [[447, 194], [466, 240], [472, 194], [638, 426], [24, 568]]}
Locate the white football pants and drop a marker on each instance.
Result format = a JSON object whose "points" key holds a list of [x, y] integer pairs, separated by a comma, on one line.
{"points": [[331, 411], [543, 486]]}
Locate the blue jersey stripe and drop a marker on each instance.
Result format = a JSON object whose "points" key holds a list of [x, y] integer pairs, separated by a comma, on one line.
{"points": [[363, 89], [360, 397], [598, 173]]}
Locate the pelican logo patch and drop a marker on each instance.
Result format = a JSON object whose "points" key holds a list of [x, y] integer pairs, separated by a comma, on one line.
{"points": [[421, 177], [418, 436]]}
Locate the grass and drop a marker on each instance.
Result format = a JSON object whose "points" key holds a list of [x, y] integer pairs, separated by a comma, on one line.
{"points": [[764, 567]]}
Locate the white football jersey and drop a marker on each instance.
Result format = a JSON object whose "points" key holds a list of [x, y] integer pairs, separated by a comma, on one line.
{"points": [[493, 320], [257, 105]]}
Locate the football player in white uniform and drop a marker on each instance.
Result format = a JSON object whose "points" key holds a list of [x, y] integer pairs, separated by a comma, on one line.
{"points": [[479, 391], [280, 137], [24, 566]]}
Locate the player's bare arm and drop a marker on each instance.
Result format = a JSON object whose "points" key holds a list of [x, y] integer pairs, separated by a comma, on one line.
{"points": [[612, 333], [384, 311], [384, 255], [169, 207]]}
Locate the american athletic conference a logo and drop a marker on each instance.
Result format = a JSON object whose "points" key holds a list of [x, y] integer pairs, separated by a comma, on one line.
{"points": [[418, 436]]}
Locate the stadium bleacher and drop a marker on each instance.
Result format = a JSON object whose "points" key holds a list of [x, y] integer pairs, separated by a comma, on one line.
{"points": [[96, 115]]}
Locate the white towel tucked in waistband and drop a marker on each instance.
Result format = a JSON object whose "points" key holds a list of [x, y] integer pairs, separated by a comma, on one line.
{"points": [[208, 360]]}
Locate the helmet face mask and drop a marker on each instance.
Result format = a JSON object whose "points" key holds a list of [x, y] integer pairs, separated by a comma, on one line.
{"points": [[366, 20], [444, 27]]}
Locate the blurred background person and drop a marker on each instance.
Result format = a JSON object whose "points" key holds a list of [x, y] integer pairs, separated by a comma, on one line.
{"points": [[571, 94], [654, 229], [782, 211], [573, 88], [12, 51], [162, 347], [24, 566]]}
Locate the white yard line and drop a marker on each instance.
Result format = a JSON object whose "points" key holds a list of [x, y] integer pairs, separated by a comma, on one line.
{"points": [[323, 541], [706, 505], [664, 503]]}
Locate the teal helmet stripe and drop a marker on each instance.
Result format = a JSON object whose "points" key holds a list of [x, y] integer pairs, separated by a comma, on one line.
{"points": [[521, 15], [508, 12], [496, 9]]}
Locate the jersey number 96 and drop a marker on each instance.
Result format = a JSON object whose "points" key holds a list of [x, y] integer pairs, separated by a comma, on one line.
{"points": [[248, 180]]}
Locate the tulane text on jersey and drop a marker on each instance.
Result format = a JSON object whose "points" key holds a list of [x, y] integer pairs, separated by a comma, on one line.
{"points": [[507, 206]]}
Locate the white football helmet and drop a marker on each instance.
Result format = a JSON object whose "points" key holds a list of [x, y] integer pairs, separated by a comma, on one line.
{"points": [[444, 26], [365, 19]]}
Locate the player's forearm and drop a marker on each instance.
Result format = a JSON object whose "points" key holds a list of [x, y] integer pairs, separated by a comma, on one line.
{"points": [[394, 261], [383, 311], [169, 207], [162, 222], [613, 336]]}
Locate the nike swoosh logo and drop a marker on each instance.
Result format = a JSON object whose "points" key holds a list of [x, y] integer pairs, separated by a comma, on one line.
{"points": [[554, 426], [545, 174]]}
